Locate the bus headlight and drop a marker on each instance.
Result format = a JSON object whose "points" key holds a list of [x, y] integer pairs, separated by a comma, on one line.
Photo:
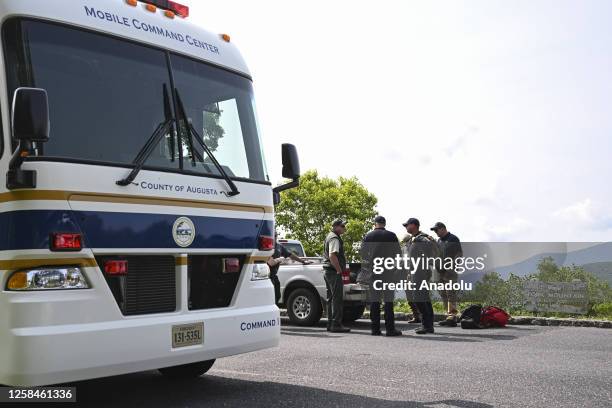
{"points": [[67, 277], [260, 271]]}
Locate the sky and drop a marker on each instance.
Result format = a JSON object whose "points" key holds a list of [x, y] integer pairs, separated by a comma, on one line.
{"points": [[492, 116]]}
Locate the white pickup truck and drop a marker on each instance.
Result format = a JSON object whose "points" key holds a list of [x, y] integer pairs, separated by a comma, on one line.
{"points": [[303, 290]]}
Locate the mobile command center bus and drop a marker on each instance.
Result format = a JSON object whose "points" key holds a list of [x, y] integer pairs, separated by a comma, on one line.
{"points": [[137, 214]]}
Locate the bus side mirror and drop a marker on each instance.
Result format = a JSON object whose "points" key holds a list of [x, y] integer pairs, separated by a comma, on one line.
{"points": [[30, 115], [291, 170], [291, 162]]}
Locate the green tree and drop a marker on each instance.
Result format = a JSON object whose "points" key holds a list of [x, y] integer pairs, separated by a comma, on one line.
{"points": [[490, 290], [307, 212], [213, 131]]}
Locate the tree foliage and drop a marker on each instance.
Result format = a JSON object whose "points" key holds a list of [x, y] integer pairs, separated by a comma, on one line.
{"points": [[213, 131], [307, 212]]}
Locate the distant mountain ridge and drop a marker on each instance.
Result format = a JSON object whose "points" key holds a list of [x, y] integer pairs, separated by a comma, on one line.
{"points": [[596, 259]]}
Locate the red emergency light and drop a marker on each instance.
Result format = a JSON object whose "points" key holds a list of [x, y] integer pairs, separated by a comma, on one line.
{"points": [[231, 265], [177, 8], [66, 242], [116, 268], [266, 243]]}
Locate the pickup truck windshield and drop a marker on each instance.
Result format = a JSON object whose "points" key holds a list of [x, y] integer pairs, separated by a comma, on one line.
{"points": [[294, 248], [106, 97]]}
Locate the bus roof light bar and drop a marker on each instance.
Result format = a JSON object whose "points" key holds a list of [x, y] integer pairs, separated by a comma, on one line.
{"points": [[179, 9]]}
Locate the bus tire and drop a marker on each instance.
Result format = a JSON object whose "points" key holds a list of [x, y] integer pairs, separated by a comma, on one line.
{"points": [[304, 307], [185, 371]]}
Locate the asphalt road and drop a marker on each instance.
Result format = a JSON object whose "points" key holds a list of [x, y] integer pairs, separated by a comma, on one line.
{"points": [[527, 366]]}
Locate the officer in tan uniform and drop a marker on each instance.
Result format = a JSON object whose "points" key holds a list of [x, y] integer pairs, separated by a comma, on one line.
{"points": [[416, 314], [450, 249], [421, 246]]}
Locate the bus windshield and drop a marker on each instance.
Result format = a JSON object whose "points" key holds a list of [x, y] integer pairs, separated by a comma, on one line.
{"points": [[106, 98]]}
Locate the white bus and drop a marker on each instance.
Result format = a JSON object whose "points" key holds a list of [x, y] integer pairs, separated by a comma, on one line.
{"points": [[137, 213]]}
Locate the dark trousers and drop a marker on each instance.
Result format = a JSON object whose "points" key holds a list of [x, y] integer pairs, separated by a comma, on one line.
{"points": [[333, 282], [426, 309], [423, 300], [389, 316], [277, 291]]}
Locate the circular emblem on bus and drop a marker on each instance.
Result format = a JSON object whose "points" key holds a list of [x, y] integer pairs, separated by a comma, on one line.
{"points": [[183, 232]]}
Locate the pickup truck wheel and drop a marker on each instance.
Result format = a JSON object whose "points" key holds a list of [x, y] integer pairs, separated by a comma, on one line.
{"points": [[352, 313], [185, 371], [304, 307]]}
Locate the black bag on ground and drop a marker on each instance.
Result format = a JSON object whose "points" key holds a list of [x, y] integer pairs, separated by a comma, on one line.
{"points": [[470, 317]]}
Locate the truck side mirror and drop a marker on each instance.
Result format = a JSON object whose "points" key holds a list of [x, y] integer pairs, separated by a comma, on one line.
{"points": [[291, 162], [30, 115], [291, 170]]}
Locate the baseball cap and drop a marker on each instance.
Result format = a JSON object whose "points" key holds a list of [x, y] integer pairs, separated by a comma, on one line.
{"points": [[338, 221], [412, 221], [437, 226], [380, 219]]}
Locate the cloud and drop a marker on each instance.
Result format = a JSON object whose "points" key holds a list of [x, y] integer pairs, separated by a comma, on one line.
{"points": [[460, 143], [511, 230], [590, 214], [580, 211]]}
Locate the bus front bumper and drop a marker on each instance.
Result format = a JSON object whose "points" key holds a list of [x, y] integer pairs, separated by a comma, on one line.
{"points": [[44, 355]]}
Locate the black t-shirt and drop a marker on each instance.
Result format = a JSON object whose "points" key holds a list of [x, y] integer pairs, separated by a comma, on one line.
{"points": [[378, 243], [279, 251], [450, 246]]}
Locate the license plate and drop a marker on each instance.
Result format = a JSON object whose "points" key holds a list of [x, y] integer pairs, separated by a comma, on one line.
{"points": [[184, 335]]}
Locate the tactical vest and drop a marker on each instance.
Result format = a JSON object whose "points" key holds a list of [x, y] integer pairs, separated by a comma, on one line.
{"points": [[341, 257]]}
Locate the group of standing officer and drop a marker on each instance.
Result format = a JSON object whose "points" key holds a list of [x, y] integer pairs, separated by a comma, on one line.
{"points": [[383, 244]]}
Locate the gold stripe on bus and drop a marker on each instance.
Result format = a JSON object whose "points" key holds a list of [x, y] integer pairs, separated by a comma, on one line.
{"points": [[181, 260], [29, 195], [256, 259], [35, 263]]}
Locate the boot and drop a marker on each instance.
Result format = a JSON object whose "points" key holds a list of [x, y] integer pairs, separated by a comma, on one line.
{"points": [[451, 321], [424, 330]]}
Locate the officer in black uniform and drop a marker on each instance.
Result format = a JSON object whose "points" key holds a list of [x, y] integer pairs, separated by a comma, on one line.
{"points": [[274, 262], [334, 263], [382, 244]]}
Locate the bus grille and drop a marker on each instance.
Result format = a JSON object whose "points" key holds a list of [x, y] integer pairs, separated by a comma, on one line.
{"points": [[209, 286], [149, 286]]}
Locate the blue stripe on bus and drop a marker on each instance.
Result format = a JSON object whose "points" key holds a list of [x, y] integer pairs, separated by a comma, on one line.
{"points": [[31, 230]]}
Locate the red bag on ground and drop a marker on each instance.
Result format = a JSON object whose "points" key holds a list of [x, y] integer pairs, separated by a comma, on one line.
{"points": [[493, 316]]}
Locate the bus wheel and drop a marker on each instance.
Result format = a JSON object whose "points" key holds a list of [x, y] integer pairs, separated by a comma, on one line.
{"points": [[185, 371], [304, 307]]}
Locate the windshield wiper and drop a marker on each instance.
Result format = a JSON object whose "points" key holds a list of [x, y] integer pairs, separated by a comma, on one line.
{"points": [[145, 152], [192, 133]]}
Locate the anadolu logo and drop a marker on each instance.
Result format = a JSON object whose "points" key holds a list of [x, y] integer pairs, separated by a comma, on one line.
{"points": [[183, 232]]}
